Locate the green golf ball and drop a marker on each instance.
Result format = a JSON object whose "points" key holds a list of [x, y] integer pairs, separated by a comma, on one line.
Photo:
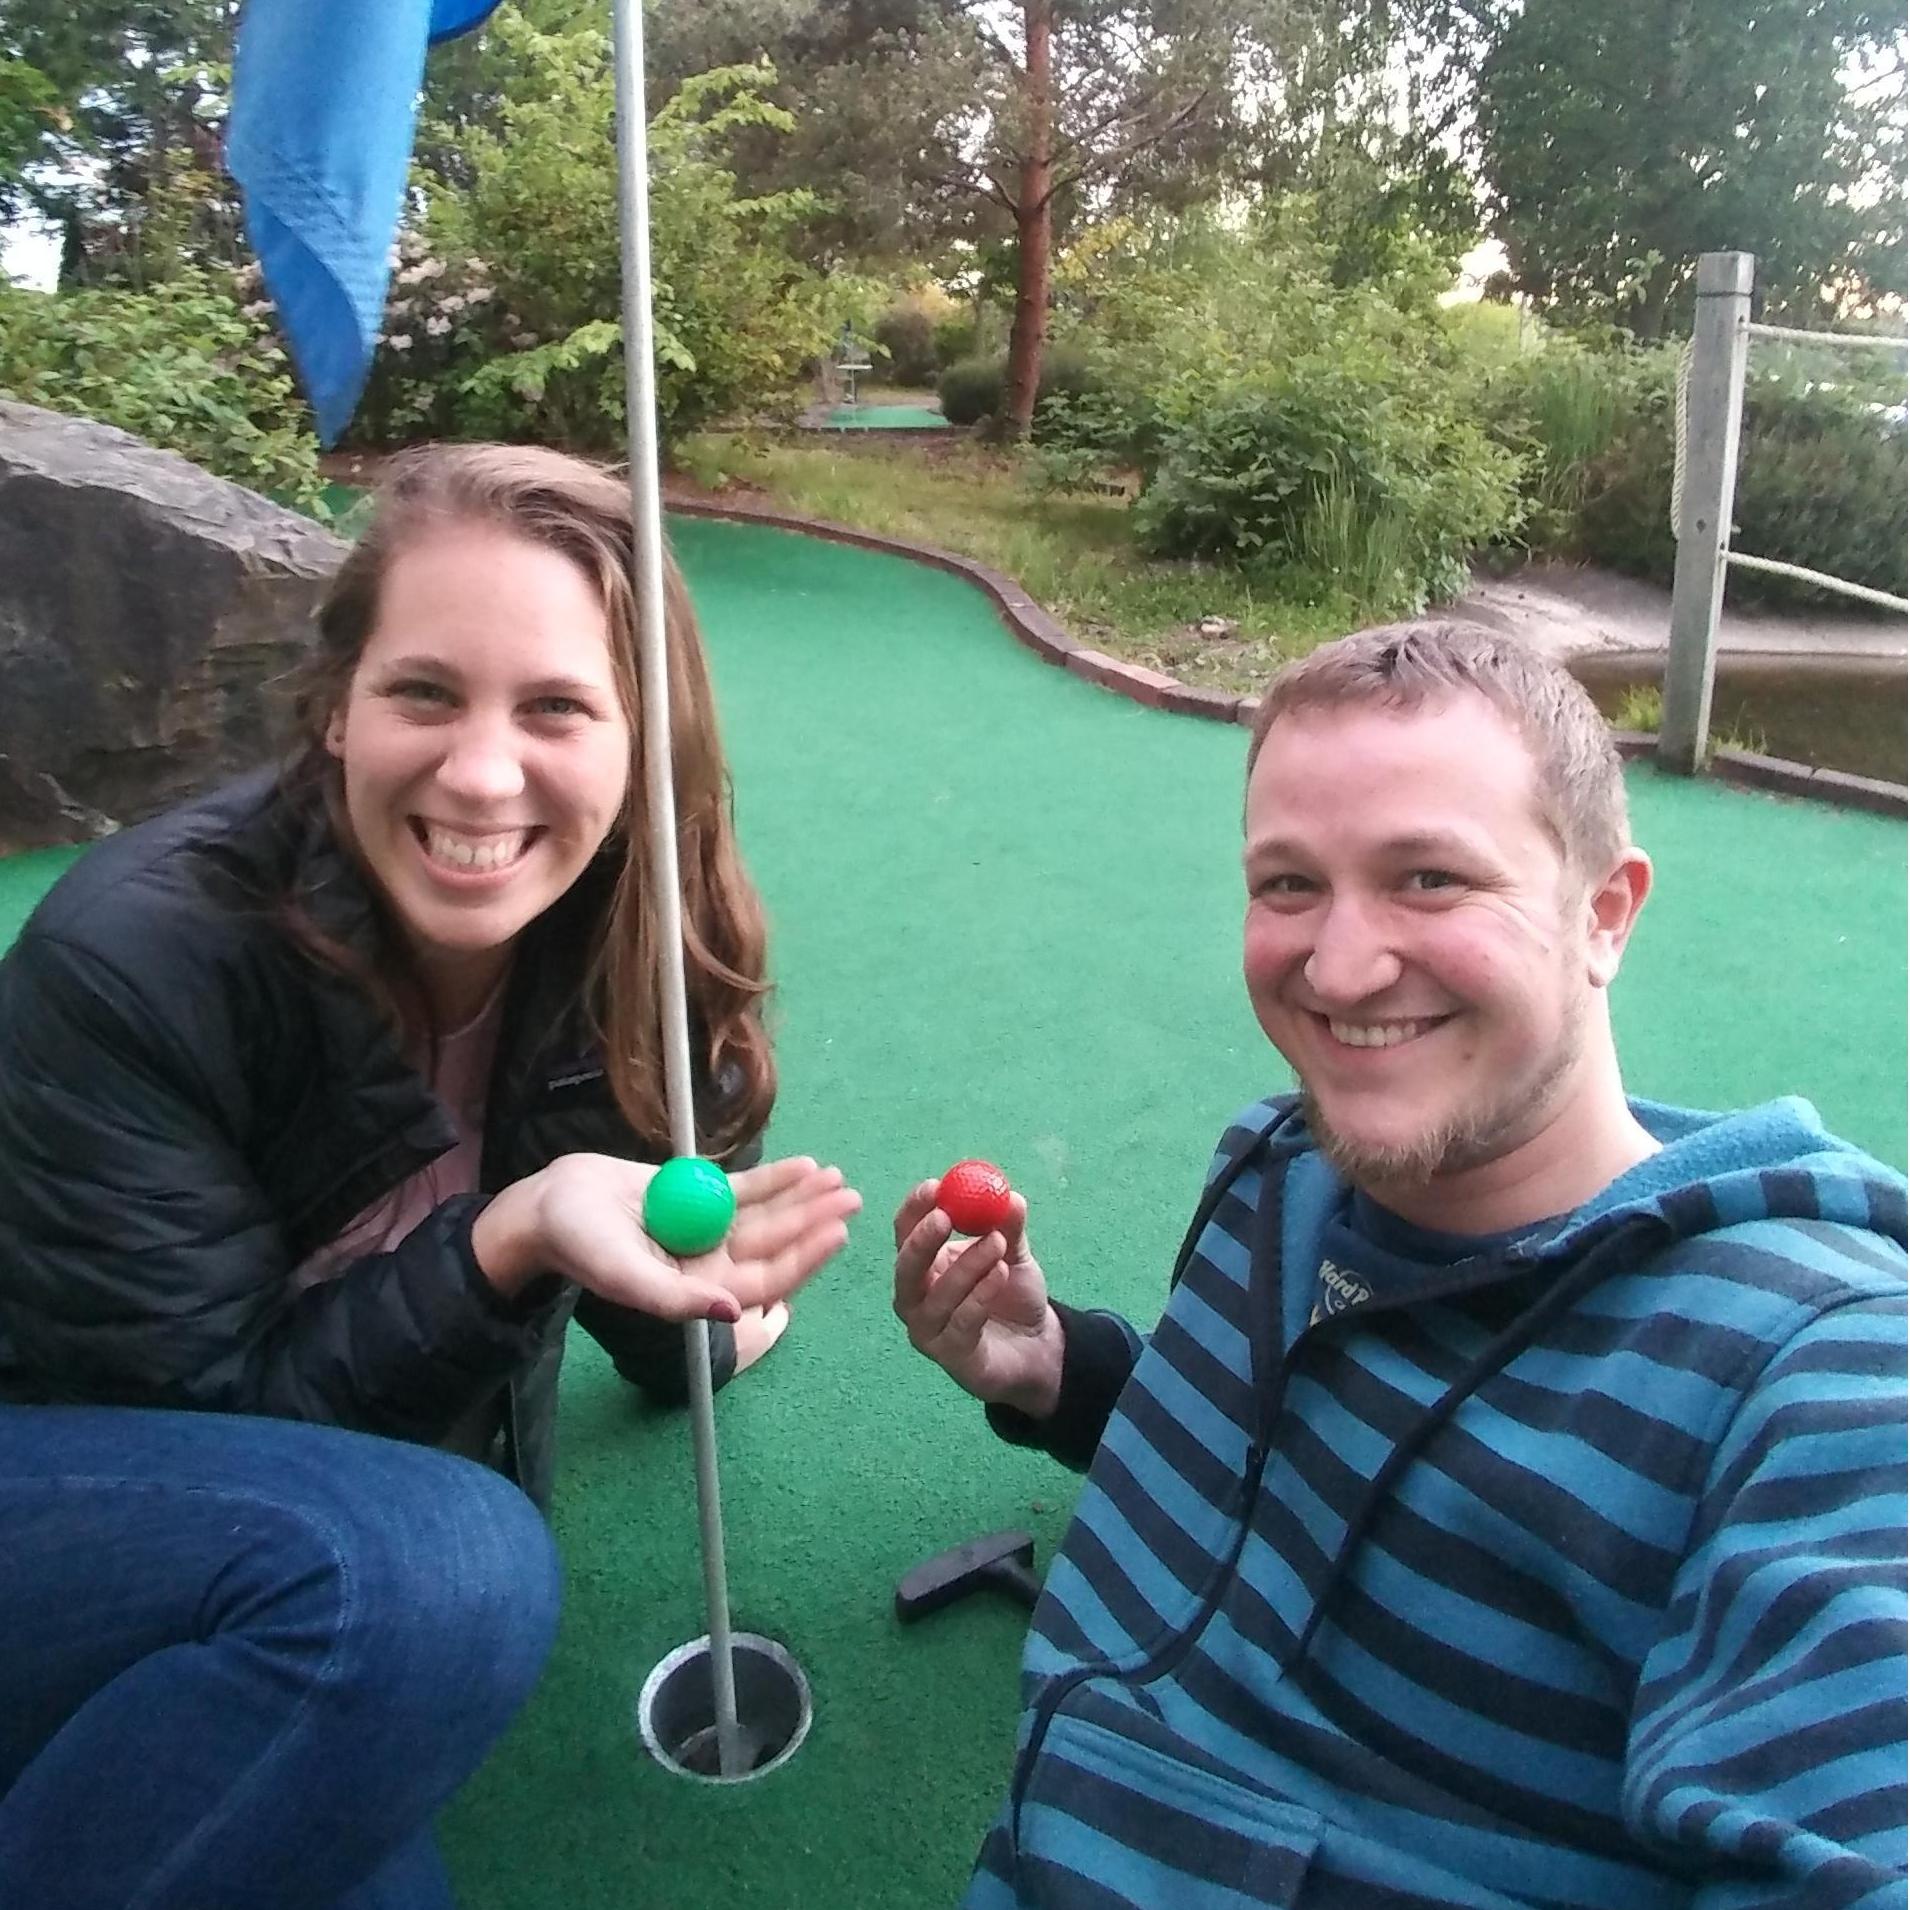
{"points": [[688, 1205]]}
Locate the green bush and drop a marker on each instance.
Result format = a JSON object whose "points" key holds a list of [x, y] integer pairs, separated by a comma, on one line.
{"points": [[1822, 470], [906, 333], [1325, 434], [1822, 486], [1081, 437], [1822, 463], [1338, 469], [1562, 407], [956, 338], [182, 365], [530, 344], [971, 389]]}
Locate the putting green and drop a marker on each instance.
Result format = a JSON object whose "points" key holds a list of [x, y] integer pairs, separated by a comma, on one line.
{"points": [[1005, 917], [887, 418]]}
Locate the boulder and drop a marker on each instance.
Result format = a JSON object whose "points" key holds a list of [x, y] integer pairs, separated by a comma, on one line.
{"points": [[146, 607]]}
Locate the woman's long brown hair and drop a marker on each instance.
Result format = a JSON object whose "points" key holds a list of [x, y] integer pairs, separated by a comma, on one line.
{"points": [[584, 512]]}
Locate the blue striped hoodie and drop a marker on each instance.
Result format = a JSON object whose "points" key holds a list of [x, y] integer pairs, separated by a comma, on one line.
{"points": [[1576, 1580]]}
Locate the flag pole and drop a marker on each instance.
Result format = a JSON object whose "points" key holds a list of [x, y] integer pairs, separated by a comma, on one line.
{"points": [[633, 196]]}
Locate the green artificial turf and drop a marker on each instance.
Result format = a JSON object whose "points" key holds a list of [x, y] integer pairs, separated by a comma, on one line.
{"points": [[887, 418], [1005, 913]]}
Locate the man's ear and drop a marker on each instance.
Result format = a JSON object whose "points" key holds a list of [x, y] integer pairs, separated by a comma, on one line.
{"points": [[1612, 913]]}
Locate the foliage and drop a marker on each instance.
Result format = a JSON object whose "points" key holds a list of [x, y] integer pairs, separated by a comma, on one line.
{"points": [[1617, 147], [1822, 463], [181, 365], [505, 314], [122, 94], [1822, 470], [1641, 707], [1563, 405], [879, 93], [971, 389], [29, 102], [1081, 437], [908, 330], [1283, 466], [1278, 420]]}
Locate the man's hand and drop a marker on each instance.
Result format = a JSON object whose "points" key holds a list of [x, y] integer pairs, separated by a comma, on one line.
{"points": [[582, 1217], [979, 1309]]}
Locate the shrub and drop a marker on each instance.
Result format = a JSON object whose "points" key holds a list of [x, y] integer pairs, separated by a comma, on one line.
{"points": [[1821, 479], [1080, 437], [1821, 463], [182, 365], [971, 389], [1341, 466], [541, 354], [1563, 407], [906, 334], [956, 337]]}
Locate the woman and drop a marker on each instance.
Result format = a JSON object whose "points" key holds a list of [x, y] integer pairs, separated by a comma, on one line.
{"points": [[326, 1098]]}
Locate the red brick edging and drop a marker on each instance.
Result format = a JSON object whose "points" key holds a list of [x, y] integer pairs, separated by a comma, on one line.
{"points": [[1032, 626]]}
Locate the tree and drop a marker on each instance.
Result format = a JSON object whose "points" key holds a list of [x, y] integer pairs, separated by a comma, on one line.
{"points": [[1094, 94], [1618, 144], [880, 94], [29, 104], [124, 98]]}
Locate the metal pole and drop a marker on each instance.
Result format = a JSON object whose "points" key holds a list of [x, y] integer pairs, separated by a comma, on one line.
{"points": [[660, 796], [1720, 338]]}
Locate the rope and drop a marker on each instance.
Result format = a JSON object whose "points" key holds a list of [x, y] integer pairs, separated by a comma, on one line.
{"points": [[1863, 339], [1820, 578], [1678, 443]]}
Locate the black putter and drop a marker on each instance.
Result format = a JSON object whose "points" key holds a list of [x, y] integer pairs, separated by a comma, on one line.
{"points": [[1004, 1561]]}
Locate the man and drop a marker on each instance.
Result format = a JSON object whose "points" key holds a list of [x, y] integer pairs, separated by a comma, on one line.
{"points": [[1507, 1509]]}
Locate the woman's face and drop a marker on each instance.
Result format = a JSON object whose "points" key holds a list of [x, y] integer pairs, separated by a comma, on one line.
{"points": [[485, 752]]}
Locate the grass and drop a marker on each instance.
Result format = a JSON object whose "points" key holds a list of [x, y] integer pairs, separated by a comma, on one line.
{"points": [[1642, 707], [1072, 553]]}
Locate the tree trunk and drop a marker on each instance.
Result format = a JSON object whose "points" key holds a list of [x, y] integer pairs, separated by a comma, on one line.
{"points": [[1033, 225]]}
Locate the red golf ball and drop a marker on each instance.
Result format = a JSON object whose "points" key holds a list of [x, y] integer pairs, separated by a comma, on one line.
{"points": [[975, 1197]]}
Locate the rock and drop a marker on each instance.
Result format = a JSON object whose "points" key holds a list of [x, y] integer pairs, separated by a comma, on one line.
{"points": [[145, 606], [1217, 627]]}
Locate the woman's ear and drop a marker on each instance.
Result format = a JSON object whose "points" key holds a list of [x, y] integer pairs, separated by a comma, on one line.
{"points": [[1613, 908], [335, 732]]}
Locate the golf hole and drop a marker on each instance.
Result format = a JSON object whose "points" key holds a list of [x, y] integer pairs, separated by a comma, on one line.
{"points": [[676, 1709]]}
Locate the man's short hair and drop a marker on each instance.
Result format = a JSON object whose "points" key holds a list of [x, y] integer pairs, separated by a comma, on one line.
{"points": [[1577, 771]]}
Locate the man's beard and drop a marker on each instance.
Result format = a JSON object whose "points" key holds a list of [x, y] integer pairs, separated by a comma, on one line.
{"points": [[1466, 1138]]}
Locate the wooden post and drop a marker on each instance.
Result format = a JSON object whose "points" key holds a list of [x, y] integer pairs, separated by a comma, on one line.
{"points": [[1714, 401]]}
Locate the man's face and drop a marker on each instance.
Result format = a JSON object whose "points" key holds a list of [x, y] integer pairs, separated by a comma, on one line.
{"points": [[1415, 946]]}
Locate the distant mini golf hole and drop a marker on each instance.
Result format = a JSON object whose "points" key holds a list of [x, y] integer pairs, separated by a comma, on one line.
{"points": [[676, 1710]]}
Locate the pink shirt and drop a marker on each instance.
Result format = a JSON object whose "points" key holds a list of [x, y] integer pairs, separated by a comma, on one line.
{"points": [[462, 1082]]}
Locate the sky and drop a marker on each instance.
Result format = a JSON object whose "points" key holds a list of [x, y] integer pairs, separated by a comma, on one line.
{"points": [[30, 255]]}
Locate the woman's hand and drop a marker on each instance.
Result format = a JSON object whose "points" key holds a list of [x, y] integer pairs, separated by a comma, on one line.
{"points": [[582, 1217], [978, 1308]]}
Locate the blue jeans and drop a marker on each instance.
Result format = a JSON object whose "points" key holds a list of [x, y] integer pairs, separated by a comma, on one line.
{"points": [[243, 1661]]}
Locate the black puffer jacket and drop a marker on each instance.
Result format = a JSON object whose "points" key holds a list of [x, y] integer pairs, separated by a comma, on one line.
{"points": [[189, 1105]]}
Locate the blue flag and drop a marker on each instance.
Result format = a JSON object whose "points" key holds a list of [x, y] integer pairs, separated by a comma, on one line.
{"points": [[324, 104]]}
